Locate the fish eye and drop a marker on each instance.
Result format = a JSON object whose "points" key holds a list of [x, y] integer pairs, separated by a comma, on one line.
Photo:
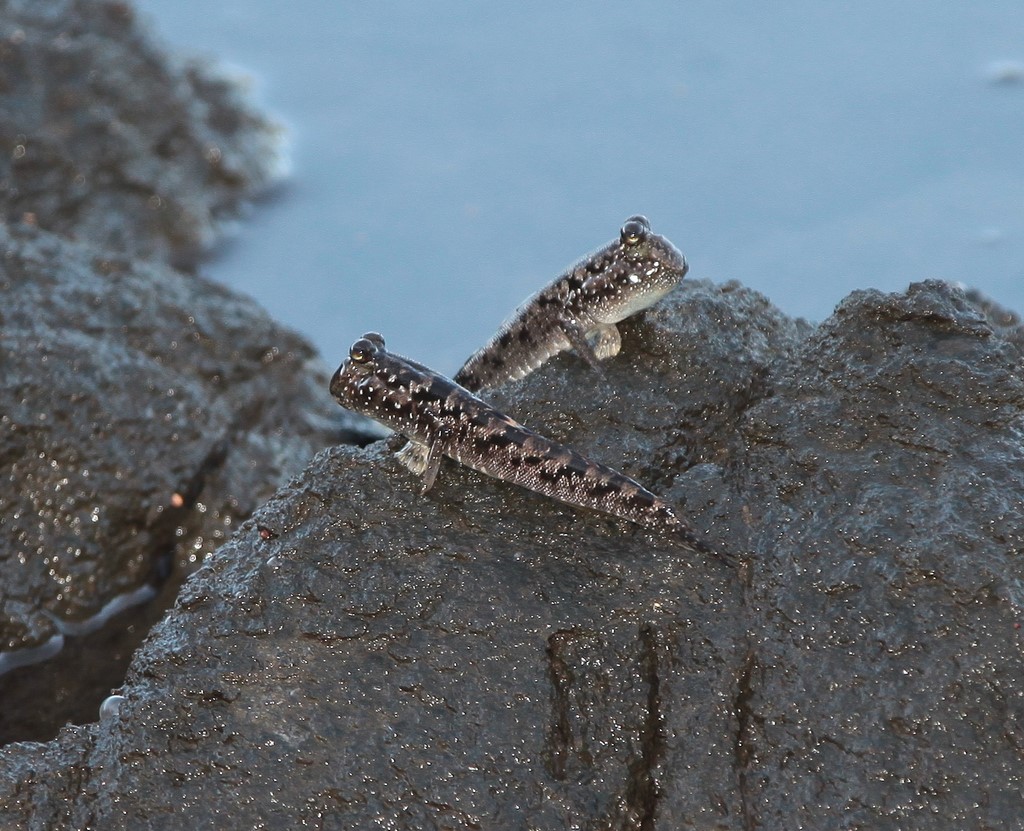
{"points": [[634, 230], [362, 350]]}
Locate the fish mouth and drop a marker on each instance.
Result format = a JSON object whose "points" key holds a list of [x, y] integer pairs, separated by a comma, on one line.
{"points": [[669, 256]]}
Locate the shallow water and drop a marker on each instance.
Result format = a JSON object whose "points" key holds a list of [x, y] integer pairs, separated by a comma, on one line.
{"points": [[448, 159]]}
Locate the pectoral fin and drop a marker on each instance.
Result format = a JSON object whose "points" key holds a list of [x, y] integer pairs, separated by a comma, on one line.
{"points": [[605, 340], [433, 464], [414, 456], [424, 460], [578, 339]]}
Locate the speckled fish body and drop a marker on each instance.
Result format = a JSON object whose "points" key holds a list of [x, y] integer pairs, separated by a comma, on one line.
{"points": [[445, 419], [579, 310]]}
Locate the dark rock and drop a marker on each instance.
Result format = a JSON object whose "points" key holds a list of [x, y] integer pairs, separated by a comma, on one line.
{"points": [[105, 138], [1004, 321], [680, 409], [142, 414], [884, 478], [483, 658]]}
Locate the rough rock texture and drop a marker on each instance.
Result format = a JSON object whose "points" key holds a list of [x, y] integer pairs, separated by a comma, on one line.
{"points": [[105, 138], [144, 411], [483, 658], [885, 478]]}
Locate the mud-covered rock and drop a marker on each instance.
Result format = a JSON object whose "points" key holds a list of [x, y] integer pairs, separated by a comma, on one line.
{"points": [[360, 656], [142, 413], [105, 138]]}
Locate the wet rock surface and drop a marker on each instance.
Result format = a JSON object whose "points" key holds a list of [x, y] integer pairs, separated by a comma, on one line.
{"points": [[106, 139], [143, 412], [481, 657], [886, 476]]}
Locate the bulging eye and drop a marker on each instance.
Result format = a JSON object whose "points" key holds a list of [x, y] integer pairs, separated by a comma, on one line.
{"points": [[362, 350], [634, 230]]}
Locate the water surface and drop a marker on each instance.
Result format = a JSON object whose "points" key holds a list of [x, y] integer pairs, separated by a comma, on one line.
{"points": [[449, 158]]}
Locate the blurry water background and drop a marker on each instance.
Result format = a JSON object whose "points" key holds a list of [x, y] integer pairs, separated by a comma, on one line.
{"points": [[447, 159]]}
